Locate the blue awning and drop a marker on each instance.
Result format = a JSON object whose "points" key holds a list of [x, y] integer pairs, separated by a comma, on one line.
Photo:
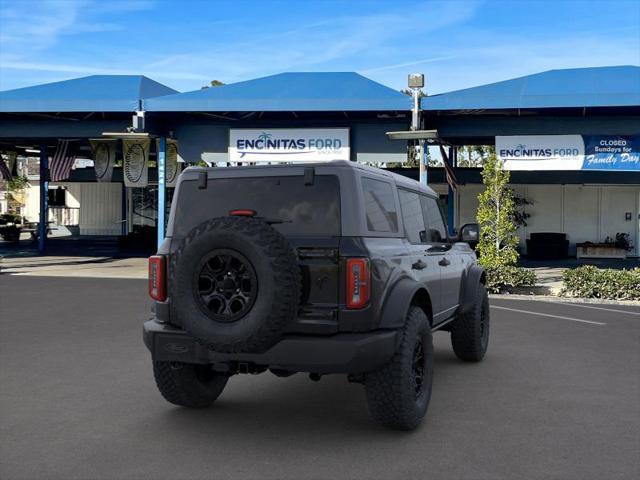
{"points": [[96, 93], [577, 87], [288, 92]]}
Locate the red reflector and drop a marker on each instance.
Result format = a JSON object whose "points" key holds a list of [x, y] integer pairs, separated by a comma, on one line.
{"points": [[157, 278], [358, 282], [242, 213]]}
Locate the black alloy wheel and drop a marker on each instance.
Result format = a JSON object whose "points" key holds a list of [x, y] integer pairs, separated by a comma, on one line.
{"points": [[226, 285]]}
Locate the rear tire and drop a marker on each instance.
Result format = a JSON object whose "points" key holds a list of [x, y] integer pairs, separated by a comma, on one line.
{"points": [[398, 394], [470, 331], [188, 385]]}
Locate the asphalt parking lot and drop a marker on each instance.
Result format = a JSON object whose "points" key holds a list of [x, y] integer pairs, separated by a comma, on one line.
{"points": [[558, 396]]}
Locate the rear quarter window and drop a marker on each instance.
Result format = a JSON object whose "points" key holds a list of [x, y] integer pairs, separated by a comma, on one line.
{"points": [[380, 206], [301, 209]]}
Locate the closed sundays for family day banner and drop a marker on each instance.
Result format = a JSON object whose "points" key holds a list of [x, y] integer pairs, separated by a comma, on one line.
{"points": [[569, 152], [289, 144]]}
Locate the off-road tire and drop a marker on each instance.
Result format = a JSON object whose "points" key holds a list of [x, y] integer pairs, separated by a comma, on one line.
{"points": [[188, 385], [277, 276], [470, 331], [391, 392]]}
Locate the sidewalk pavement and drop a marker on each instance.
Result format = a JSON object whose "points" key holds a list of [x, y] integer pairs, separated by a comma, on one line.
{"points": [[549, 278], [65, 266]]}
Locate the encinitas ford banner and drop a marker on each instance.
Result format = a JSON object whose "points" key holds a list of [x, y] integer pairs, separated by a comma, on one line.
{"points": [[541, 152], [569, 152], [289, 145]]}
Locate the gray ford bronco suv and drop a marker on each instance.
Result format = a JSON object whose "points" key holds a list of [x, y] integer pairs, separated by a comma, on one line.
{"points": [[320, 268]]}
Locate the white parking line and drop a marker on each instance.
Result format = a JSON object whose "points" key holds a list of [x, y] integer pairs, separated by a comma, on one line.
{"points": [[547, 315], [571, 304]]}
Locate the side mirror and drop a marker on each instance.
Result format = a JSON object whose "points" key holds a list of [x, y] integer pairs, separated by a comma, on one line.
{"points": [[469, 233]]}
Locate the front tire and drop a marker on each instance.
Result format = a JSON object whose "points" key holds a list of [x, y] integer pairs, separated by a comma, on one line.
{"points": [[470, 331], [398, 394], [188, 385]]}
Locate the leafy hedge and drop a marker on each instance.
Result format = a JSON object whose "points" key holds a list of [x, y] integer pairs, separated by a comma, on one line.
{"points": [[592, 282], [504, 277]]}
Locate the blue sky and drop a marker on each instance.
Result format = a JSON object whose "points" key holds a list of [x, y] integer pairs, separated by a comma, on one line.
{"points": [[184, 44]]}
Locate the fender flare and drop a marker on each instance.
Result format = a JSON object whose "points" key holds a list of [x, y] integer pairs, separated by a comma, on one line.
{"points": [[396, 308], [475, 276]]}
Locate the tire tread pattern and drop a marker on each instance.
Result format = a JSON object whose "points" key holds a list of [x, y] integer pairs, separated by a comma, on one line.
{"points": [[466, 337], [283, 264], [179, 384], [390, 399]]}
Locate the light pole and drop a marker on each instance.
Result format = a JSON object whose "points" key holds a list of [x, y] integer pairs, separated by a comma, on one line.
{"points": [[416, 83]]}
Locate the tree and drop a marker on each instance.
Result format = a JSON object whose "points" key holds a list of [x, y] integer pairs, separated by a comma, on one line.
{"points": [[496, 212], [474, 155], [213, 83]]}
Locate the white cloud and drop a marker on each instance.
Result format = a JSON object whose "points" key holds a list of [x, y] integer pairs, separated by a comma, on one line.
{"points": [[31, 27], [408, 64]]}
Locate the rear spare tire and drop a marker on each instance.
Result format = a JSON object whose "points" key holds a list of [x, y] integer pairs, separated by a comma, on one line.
{"points": [[235, 284]]}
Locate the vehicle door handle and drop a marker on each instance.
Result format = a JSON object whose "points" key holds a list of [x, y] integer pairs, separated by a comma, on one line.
{"points": [[444, 262], [438, 249], [419, 265]]}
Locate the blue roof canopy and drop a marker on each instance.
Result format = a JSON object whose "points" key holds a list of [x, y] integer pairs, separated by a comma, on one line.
{"points": [[298, 92], [96, 93], [577, 87]]}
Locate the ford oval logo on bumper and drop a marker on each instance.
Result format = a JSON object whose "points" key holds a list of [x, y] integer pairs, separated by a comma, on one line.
{"points": [[173, 347]]}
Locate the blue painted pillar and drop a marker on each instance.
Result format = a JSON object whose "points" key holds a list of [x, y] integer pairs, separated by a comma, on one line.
{"points": [[162, 189], [44, 199], [453, 158]]}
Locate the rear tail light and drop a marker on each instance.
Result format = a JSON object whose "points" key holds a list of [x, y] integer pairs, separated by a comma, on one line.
{"points": [[242, 212], [157, 278], [358, 282]]}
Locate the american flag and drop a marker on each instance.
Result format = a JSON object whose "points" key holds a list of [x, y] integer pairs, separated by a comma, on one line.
{"points": [[4, 170], [62, 161], [448, 170]]}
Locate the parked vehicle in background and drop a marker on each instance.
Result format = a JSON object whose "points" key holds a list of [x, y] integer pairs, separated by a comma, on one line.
{"points": [[324, 268]]}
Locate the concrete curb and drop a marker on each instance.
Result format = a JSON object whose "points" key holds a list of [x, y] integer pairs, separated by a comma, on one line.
{"points": [[556, 299]]}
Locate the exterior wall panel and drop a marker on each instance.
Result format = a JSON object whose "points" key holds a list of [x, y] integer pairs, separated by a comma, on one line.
{"points": [[586, 213], [100, 209]]}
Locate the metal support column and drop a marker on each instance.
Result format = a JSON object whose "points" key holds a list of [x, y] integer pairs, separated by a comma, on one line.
{"points": [[424, 159], [453, 158], [123, 211], [44, 199], [162, 190]]}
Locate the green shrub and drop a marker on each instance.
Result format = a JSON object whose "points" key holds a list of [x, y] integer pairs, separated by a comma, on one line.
{"points": [[592, 282], [502, 277]]}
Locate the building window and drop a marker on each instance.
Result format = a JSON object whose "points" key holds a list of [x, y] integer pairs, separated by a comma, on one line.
{"points": [[57, 197]]}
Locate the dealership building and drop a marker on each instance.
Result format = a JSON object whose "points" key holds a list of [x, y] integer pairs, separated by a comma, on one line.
{"points": [[570, 137]]}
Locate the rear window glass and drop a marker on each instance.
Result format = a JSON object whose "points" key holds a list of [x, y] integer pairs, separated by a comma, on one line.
{"points": [[380, 206], [303, 209]]}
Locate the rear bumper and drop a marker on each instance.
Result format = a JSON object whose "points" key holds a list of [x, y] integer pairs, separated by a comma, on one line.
{"points": [[340, 353]]}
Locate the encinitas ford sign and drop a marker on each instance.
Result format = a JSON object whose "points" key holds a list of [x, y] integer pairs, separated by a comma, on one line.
{"points": [[569, 152], [289, 145], [541, 152]]}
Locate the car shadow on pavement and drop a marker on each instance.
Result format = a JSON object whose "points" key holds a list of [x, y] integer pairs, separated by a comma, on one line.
{"points": [[333, 409]]}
